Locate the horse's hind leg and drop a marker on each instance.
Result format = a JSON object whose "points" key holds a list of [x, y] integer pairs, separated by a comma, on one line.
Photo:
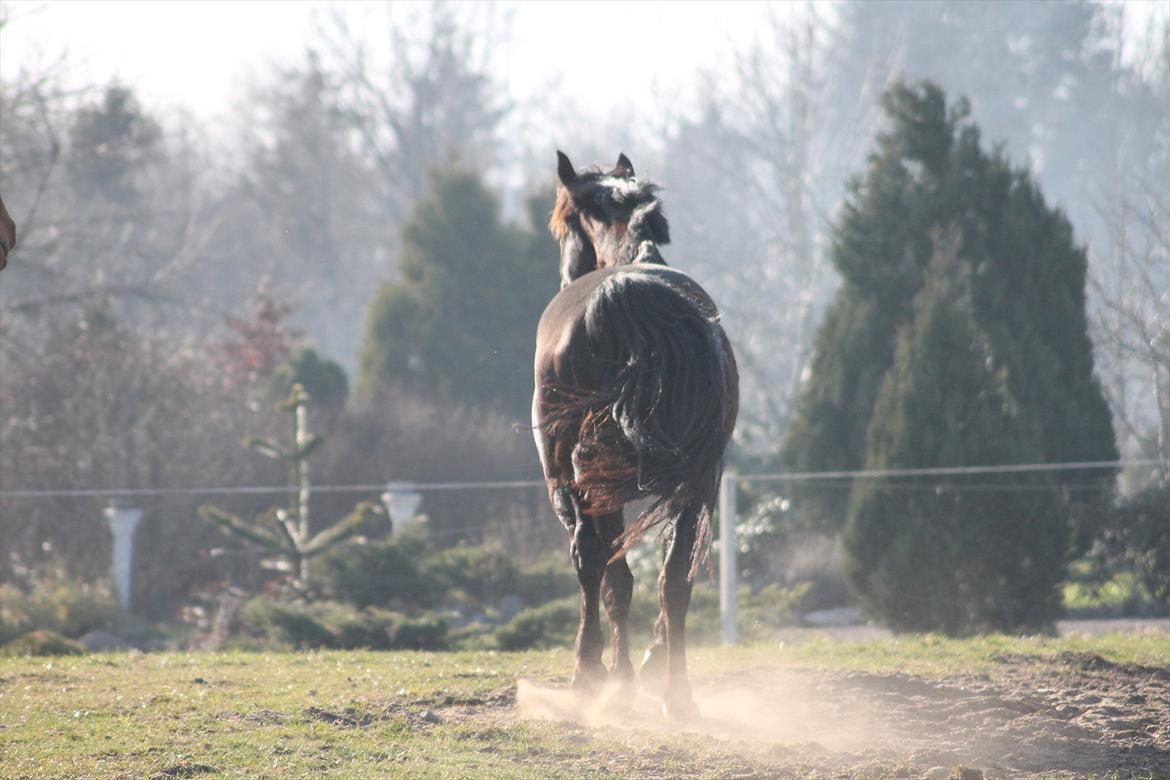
{"points": [[589, 555], [585, 546], [617, 589], [674, 598]]}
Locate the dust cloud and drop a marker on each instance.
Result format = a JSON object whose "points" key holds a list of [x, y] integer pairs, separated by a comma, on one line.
{"points": [[781, 708], [1025, 718]]}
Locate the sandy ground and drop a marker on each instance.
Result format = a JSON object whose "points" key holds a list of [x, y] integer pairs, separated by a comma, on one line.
{"points": [[1077, 715], [1095, 627]]}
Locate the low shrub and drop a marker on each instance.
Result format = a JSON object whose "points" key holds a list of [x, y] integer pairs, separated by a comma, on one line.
{"points": [[286, 624], [476, 576], [772, 607], [399, 573], [1119, 596], [331, 624], [1107, 589], [384, 573], [424, 633], [42, 642], [553, 624], [54, 601], [550, 579], [473, 637], [1137, 539]]}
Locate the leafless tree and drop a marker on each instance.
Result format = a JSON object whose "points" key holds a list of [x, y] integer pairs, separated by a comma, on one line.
{"points": [[108, 207], [303, 208], [1130, 281], [760, 169], [435, 102]]}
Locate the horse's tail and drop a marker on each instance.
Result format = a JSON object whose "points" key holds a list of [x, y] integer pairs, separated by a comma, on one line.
{"points": [[660, 427]]}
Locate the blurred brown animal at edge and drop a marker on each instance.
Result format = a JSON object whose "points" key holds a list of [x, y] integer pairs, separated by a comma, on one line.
{"points": [[7, 235]]}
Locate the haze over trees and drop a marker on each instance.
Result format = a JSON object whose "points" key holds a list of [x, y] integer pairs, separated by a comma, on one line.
{"points": [[460, 324], [377, 224]]}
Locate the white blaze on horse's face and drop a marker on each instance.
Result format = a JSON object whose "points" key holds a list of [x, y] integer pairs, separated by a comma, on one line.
{"points": [[622, 187]]}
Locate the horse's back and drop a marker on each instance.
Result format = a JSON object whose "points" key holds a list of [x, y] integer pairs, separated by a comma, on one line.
{"points": [[574, 298], [636, 381], [569, 348]]}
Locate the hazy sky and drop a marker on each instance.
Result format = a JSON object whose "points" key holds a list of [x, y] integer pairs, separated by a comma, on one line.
{"points": [[197, 54]]}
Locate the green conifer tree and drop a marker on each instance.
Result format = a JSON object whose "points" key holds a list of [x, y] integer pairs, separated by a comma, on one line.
{"points": [[323, 379], [1027, 281], [461, 321], [967, 556], [288, 531]]}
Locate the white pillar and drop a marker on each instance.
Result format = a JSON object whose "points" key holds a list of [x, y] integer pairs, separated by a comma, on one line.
{"points": [[727, 550], [401, 500], [123, 520]]}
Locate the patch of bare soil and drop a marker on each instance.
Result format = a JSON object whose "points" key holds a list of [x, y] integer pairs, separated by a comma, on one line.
{"points": [[417, 713], [1078, 715]]}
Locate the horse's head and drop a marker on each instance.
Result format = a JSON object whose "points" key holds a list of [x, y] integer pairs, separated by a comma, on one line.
{"points": [[605, 218]]}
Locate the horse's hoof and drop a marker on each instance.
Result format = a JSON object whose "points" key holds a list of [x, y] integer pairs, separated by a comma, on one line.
{"points": [[620, 701], [680, 708], [652, 675], [587, 679], [623, 674]]}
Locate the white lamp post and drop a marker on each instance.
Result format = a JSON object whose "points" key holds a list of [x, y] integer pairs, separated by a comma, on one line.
{"points": [[123, 521], [401, 500]]}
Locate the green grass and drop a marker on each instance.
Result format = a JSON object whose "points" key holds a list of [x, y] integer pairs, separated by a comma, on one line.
{"points": [[937, 655], [358, 714]]}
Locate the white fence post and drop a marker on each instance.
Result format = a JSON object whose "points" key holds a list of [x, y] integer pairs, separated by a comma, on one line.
{"points": [[727, 551], [123, 520]]}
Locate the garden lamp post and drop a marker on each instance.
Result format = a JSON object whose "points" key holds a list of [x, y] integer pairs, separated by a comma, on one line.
{"points": [[123, 521], [401, 500]]}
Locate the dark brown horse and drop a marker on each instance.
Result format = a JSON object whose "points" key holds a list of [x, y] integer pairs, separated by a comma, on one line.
{"points": [[636, 396]]}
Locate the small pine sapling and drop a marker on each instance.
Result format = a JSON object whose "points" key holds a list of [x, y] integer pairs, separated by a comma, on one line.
{"points": [[286, 531]]}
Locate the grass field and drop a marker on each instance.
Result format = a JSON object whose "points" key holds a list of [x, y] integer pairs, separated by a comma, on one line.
{"points": [[358, 714]]}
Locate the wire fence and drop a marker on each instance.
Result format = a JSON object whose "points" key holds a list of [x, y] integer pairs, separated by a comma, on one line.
{"points": [[176, 549], [530, 517], [845, 477]]}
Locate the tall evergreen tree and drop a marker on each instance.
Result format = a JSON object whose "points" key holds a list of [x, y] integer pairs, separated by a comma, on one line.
{"points": [[965, 557], [1027, 279], [461, 322]]}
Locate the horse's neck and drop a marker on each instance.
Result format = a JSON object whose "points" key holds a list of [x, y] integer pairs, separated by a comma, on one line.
{"points": [[648, 253], [642, 252]]}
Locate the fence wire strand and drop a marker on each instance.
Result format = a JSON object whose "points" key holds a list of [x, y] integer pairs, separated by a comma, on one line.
{"points": [[807, 476]]}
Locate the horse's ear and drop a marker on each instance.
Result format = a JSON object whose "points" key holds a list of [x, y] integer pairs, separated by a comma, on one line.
{"points": [[565, 170], [624, 167]]}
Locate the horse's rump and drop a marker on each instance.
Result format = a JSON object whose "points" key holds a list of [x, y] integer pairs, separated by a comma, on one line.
{"points": [[659, 426]]}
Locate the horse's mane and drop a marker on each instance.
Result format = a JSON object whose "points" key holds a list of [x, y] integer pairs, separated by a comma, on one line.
{"points": [[562, 210]]}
